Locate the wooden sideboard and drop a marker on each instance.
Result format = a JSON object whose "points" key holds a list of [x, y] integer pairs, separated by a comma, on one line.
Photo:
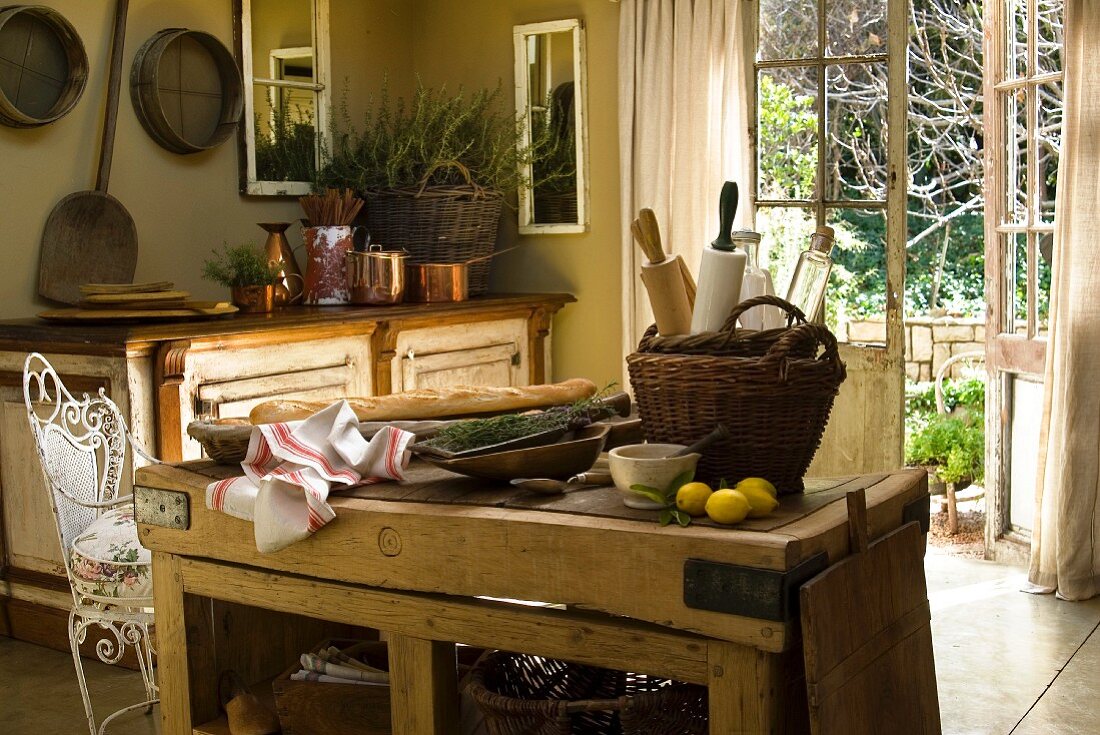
{"points": [[163, 376]]}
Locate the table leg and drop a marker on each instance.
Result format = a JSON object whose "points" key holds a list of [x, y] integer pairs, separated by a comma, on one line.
{"points": [[742, 690], [171, 645], [423, 686]]}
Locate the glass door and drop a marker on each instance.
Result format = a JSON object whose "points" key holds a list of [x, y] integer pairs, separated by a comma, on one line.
{"points": [[829, 125]]}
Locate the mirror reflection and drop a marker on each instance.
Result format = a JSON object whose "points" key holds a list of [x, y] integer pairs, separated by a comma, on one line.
{"points": [[286, 106], [549, 94]]}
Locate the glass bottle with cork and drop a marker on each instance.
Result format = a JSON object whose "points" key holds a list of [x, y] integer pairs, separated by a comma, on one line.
{"points": [[811, 274]]}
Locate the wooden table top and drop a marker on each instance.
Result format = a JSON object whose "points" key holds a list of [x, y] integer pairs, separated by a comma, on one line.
{"points": [[429, 484], [20, 331], [444, 534]]}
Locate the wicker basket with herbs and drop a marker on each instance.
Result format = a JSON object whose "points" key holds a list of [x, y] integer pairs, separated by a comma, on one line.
{"points": [[434, 172]]}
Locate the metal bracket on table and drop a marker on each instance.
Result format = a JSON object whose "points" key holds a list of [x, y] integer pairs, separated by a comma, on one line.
{"points": [[165, 508], [747, 591], [919, 510]]}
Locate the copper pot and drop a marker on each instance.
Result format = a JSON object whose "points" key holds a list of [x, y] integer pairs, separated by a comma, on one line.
{"points": [[377, 276], [429, 283], [254, 299]]}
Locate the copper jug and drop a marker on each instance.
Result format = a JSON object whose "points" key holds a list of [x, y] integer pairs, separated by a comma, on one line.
{"points": [[288, 289]]}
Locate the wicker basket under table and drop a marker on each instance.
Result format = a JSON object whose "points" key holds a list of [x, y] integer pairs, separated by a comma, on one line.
{"points": [[521, 694], [773, 390]]}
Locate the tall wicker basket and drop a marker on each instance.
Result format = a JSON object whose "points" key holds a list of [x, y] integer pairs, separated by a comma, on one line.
{"points": [[438, 224], [529, 695], [773, 390]]}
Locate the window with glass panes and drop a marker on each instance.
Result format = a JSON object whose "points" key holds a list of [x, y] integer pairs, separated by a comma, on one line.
{"points": [[823, 155], [1023, 140]]}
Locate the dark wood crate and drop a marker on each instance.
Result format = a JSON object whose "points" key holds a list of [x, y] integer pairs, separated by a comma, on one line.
{"points": [[321, 708]]}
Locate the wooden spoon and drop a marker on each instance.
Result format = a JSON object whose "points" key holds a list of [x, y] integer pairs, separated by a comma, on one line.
{"points": [[653, 255], [650, 233]]}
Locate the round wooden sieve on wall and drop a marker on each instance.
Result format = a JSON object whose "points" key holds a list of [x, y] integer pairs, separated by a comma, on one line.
{"points": [[187, 90], [43, 66]]}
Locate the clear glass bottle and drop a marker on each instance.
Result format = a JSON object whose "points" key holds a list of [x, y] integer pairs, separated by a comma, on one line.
{"points": [[811, 274], [757, 282]]}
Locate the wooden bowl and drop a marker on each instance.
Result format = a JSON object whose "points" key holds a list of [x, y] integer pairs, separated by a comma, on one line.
{"points": [[558, 461]]}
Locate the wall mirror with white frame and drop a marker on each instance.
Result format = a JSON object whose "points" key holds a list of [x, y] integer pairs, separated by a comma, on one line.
{"points": [[283, 50], [551, 86]]}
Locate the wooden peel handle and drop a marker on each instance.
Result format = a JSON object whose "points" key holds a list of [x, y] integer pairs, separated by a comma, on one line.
{"points": [[114, 85]]}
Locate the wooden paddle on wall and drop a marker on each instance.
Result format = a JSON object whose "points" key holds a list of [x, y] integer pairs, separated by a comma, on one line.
{"points": [[89, 236]]}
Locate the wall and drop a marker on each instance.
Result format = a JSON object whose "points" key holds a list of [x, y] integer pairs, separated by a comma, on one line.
{"points": [[183, 205], [470, 43], [929, 343]]}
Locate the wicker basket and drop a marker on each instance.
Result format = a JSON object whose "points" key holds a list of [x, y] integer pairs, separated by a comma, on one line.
{"points": [[224, 440], [438, 225], [773, 390], [555, 208], [529, 695]]}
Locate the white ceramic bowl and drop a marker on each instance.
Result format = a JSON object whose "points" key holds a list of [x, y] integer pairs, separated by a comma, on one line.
{"points": [[647, 464]]}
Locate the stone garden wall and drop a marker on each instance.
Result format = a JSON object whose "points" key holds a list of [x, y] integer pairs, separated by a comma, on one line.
{"points": [[929, 342]]}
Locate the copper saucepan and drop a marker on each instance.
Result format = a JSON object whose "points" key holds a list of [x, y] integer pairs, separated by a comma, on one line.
{"points": [[377, 276], [437, 282]]}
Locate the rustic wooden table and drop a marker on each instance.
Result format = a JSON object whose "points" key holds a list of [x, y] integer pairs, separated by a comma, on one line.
{"points": [[704, 604]]}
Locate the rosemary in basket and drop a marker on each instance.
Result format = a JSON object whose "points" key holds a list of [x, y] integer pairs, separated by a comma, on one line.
{"points": [[476, 433]]}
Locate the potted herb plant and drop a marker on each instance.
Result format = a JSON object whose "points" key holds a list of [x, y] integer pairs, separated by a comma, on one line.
{"points": [[950, 446], [434, 172], [247, 273]]}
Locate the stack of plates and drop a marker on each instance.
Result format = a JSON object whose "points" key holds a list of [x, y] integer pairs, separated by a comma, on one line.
{"points": [[153, 296], [138, 302]]}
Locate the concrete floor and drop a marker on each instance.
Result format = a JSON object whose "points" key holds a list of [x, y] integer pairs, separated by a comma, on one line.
{"points": [[1007, 662]]}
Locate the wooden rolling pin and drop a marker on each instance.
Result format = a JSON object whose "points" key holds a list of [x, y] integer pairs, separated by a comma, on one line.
{"points": [[664, 278]]}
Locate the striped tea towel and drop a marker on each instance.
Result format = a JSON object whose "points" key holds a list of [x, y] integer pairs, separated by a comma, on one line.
{"points": [[291, 467]]}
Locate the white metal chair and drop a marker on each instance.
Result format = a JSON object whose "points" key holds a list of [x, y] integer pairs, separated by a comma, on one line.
{"points": [[82, 447]]}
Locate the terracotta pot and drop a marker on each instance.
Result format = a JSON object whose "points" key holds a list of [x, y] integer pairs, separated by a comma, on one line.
{"points": [[254, 299]]}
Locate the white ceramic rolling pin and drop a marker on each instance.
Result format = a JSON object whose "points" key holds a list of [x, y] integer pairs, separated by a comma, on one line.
{"points": [[721, 271], [663, 278]]}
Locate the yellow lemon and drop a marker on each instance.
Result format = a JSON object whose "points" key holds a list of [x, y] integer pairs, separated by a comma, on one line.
{"points": [[756, 482], [728, 506], [692, 498], [761, 502]]}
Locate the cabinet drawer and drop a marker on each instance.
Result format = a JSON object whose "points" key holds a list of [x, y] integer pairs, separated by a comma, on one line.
{"points": [[482, 366], [227, 382], [492, 353], [273, 385]]}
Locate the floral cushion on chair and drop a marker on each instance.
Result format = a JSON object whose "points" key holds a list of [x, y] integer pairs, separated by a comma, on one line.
{"points": [[107, 561]]}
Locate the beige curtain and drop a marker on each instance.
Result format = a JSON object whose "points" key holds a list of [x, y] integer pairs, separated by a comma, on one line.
{"points": [[683, 127], [1065, 553]]}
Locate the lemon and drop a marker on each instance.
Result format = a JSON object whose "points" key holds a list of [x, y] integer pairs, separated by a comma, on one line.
{"points": [[758, 483], [761, 502], [692, 498], [728, 506]]}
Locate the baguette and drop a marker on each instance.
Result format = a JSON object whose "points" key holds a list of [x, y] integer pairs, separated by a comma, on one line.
{"points": [[434, 403]]}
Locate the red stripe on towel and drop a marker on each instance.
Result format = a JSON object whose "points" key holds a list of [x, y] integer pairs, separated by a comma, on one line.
{"points": [[289, 442]]}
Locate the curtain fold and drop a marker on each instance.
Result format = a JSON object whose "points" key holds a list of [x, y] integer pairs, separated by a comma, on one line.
{"points": [[683, 127], [1065, 554]]}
